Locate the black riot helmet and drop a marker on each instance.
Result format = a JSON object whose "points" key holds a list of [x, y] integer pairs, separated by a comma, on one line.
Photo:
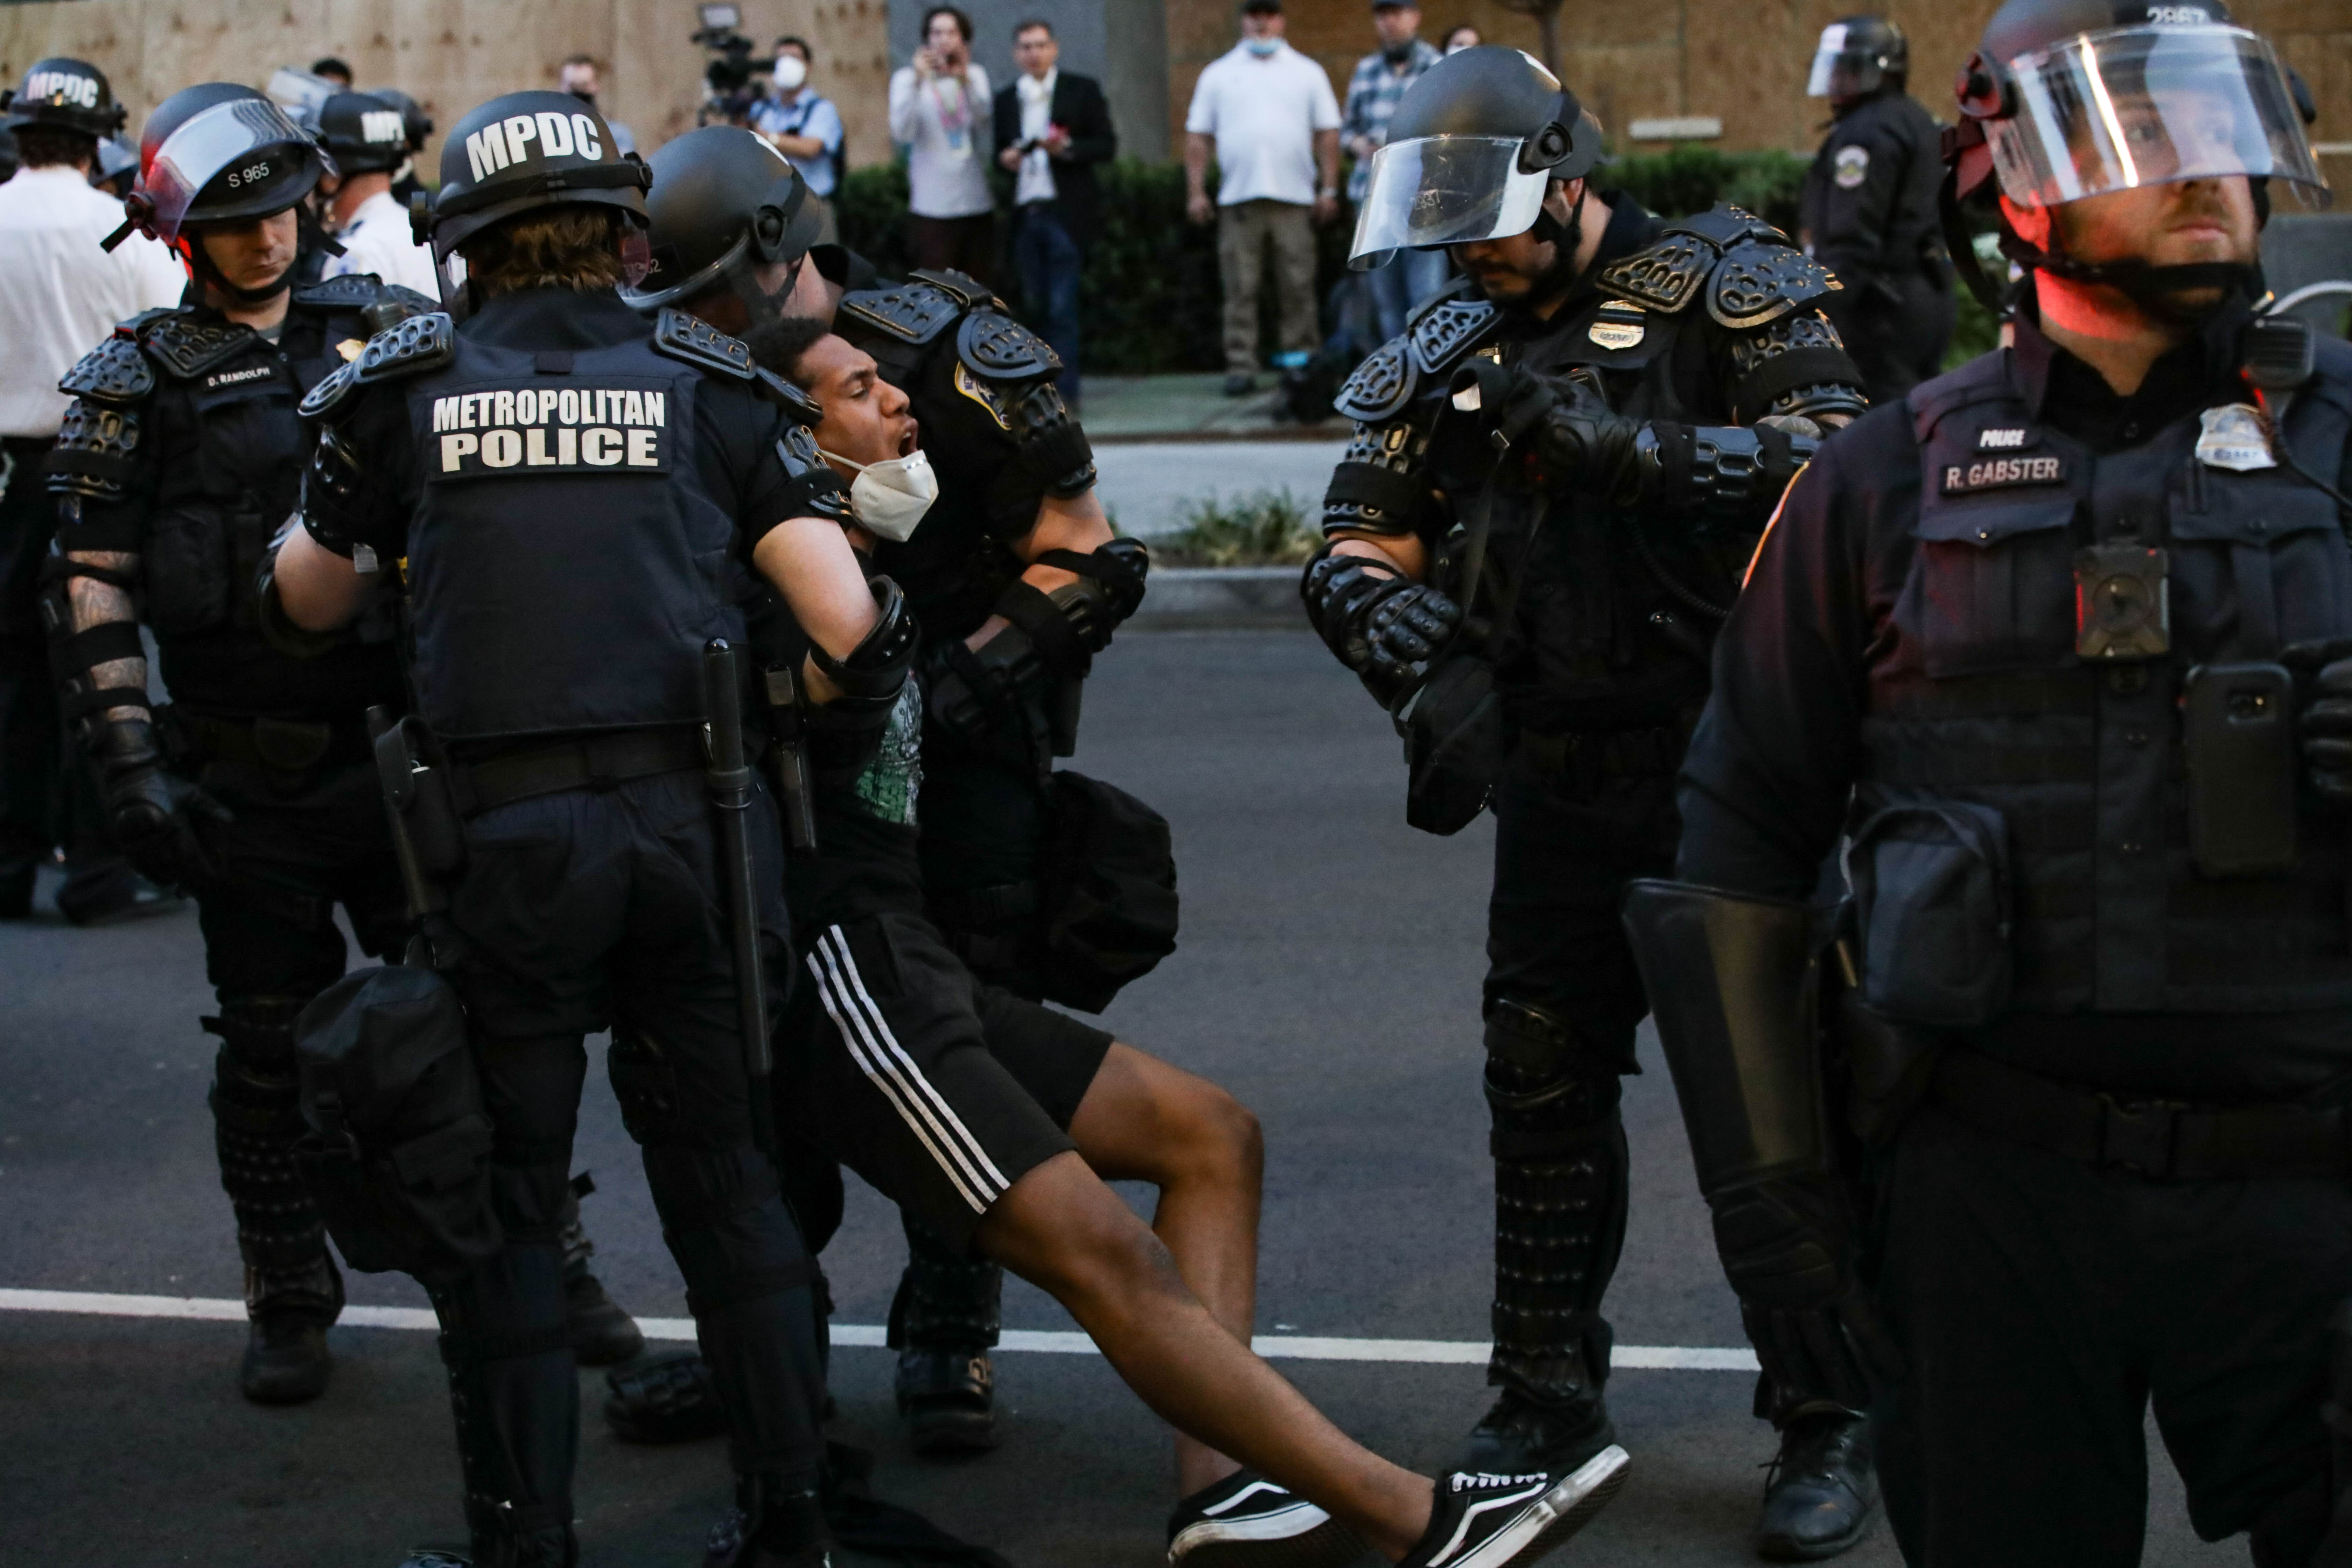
{"points": [[65, 95], [2065, 99], [724, 204], [365, 133], [414, 122], [518, 153], [218, 153], [1857, 57], [1472, 148], [115, 166]]}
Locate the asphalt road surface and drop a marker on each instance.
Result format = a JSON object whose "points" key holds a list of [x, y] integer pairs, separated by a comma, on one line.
{"points": [[1328, 975]]}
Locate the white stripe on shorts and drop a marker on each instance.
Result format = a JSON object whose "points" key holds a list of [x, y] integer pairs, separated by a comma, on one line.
{"points": [[958, 1154]]}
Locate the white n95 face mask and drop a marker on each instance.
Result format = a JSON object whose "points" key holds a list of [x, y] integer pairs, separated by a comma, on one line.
{"points": [[890, 498], [790, 71]]}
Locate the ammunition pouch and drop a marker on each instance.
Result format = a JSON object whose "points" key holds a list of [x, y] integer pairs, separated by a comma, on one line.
{"points": [[397, 1147]]}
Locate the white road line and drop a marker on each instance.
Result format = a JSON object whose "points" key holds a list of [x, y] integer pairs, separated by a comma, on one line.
{"points": [[1274, 1347]]}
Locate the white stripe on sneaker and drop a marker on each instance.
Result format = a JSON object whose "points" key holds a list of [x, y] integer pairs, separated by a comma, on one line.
{"points": [[988, 1174], [1240, 1497], [841, 1006], [1445, 1556]]}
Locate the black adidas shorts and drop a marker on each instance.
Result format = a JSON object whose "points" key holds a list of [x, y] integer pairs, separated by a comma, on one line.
{"points": [[938, 1089]]}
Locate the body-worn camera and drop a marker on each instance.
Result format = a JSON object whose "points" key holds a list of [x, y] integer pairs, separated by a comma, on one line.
{"points": [[2122, 603]]}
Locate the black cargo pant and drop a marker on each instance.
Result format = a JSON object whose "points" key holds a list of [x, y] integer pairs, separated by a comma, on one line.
{"points": [[46, 796], [575, 912], [1562, 1001], [298, 844], [2043, 1304]]}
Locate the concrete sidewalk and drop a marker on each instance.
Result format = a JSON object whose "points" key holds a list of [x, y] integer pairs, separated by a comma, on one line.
{"points": [[1192, 407], [1148, 486]]}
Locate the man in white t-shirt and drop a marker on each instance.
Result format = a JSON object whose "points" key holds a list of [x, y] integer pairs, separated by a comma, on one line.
{"points": [[60, 295], [1269, 116], [369, 139]]}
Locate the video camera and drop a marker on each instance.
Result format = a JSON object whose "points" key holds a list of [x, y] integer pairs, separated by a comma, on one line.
{"points": [[728, 73]]}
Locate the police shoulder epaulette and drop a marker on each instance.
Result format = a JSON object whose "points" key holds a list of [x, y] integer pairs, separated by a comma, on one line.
{"points": [[115, 373], [689, 338], [1725, 225], [1984, 379], [968, 291], [913, 312], [1381, 385], [804, 409], [1447, 332], [1760, 280], [188, 346], [996, 347], [417, 345]]}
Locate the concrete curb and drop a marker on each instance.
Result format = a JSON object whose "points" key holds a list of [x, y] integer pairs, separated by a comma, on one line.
{"points": [[1222, 598]]}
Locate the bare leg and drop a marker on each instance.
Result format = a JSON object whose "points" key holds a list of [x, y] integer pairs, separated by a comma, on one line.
{"points": [[1060, 1228], [1144, 1120]]}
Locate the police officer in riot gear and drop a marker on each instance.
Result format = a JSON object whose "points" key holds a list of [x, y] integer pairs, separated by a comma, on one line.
{"points": [[1869, 208], [579, 496], [2037, 643], [180, 456], [1556, 477], [1016, 580], [368, 139]]}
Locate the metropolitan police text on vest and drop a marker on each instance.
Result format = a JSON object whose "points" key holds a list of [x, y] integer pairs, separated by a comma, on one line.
{"points": [[520, 429]]}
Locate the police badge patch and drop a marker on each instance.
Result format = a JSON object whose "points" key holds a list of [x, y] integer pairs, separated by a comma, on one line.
{"points": [[1850, 166], [1618, 326]]}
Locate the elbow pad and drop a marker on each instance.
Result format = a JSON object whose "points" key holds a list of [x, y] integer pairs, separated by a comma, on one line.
{"points": [[1721, 478], [872, 673], [1052, 444], [989, 696], [76, 656]]}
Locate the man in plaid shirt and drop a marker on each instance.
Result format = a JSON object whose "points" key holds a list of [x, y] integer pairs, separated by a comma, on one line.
{"points": [[1381, 80]]}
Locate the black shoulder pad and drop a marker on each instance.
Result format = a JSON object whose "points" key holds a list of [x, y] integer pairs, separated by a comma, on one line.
{"points": [[187, 347], [968, 291], [1759, 281], [1445, 334], [1665, 276], [1381, 385], [1457, 284], [115, 373], [700, 344], [912, 312], [418, 344], [998, 348], [804, 409], [351, 292], [1725, 225]]}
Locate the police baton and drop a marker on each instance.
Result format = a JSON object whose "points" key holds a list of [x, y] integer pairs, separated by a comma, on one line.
{"points": [[729, 780]]}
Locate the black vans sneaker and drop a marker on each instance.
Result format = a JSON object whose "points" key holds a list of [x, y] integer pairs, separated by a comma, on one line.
{"points": [[1493, 1521], [1248, 1521]]}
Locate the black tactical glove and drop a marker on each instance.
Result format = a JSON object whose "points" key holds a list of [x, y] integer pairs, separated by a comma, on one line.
{"points": [[2323, 686], [152, 815], [1788, 1248], [1381, 623], [1589, 444]]}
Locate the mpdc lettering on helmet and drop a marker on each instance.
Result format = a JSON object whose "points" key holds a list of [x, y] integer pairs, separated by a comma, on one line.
{"points": [[494, 147], [517, 429], [382, 125], [61, 87]]}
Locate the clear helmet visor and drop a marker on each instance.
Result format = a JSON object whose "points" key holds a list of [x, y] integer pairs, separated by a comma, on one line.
{"points": [[245, 141], [2147, 106], [1833, 65], [1443, 190]]}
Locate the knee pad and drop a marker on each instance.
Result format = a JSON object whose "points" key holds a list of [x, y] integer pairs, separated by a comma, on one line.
{"points": [[255, 1085], [656, 1109], [1548, 1085]]}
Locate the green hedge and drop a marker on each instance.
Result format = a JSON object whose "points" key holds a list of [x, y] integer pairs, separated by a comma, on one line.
{"points": [[1149, 296]]}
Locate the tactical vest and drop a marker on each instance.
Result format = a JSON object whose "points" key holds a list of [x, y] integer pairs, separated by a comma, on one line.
{"points": [[1981, 695], [567, 565]]}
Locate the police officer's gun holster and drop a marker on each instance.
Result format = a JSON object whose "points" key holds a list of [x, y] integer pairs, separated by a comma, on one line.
{"points": [[1734, 985], [427, 836]]}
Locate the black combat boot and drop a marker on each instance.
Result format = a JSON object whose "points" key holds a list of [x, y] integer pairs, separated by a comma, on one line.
{"points": [[775, 1523], [602, 1332], [292, 1291], [1559, 1222], [1821, 1490], [943, 1322]]}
